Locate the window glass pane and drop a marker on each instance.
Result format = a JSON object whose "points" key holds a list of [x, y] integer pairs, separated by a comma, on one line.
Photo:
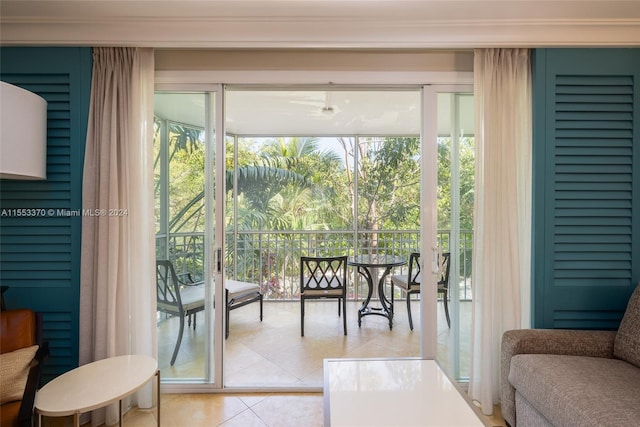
{"points": [[456, 183], [179, 184]]}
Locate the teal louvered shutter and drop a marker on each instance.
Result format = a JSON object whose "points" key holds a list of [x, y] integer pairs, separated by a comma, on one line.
{"points": [[586, 161], [40, 255]]}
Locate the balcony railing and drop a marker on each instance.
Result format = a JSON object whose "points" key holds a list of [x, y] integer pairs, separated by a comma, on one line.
{"points": [[272, 258]]}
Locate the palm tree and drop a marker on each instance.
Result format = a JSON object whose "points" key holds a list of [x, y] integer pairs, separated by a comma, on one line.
{"points": [[252, 180]]}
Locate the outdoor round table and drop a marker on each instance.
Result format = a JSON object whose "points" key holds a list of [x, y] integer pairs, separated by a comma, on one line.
{"points": [[96, 385], [364, 265]]}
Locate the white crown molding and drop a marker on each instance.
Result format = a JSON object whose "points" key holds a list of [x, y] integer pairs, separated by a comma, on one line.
{"points": [[321, 34], [321, 23]]}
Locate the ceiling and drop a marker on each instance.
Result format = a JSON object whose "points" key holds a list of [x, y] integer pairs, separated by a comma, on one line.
{"points": [[317, 113], [321, 23]]}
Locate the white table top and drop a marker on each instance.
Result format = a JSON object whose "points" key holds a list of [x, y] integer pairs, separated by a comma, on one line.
{"points": [[95, 385], [392, 392]]}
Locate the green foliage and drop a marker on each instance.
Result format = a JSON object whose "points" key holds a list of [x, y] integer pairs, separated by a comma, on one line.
{"points": [[467, 182], [389, 183], [287, 184]]}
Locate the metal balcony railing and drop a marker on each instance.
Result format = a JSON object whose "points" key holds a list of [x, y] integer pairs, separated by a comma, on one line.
{"points": [[271, 258]]}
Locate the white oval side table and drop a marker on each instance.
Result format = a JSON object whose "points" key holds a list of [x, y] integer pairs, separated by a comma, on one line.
{"points": [[95, 385]]}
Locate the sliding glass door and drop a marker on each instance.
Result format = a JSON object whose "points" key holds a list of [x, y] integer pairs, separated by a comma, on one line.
{"points": [[250, 179], [456, 172], [186, 238]]}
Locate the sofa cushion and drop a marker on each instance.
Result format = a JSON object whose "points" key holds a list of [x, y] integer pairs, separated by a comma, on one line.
{"points": [[14, 370], [577, 390], [627, 342]]}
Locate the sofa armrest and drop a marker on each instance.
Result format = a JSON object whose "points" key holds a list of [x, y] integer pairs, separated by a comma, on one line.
{"points": [[547, 341]]}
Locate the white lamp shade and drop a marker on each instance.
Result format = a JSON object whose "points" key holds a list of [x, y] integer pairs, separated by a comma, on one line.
{"points": [[23, 134]]}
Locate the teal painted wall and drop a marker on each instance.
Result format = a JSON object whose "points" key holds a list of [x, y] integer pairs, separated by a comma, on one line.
{"points": [[586, 186], [40, 256]]}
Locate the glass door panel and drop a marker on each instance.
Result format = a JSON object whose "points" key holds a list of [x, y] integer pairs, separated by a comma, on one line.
{"points": [[316, 172], [182, 178], [456, 174]]}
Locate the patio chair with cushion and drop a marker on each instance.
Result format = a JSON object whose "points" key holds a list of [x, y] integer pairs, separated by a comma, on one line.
{"points": [[238, 294], [443, 282], [410, 283], [177, 298], [323, 277], [185, 297]]}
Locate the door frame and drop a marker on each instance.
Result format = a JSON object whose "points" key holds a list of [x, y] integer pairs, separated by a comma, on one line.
{"points": [[201, 81]]}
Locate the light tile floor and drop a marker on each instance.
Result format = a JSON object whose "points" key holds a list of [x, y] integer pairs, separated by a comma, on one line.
{"points": [[234, 410], [243, 410], [272, 353]]}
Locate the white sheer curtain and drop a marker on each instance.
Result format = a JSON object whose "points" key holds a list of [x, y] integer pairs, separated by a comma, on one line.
{"points": [[502, 228], [117, 294]]}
